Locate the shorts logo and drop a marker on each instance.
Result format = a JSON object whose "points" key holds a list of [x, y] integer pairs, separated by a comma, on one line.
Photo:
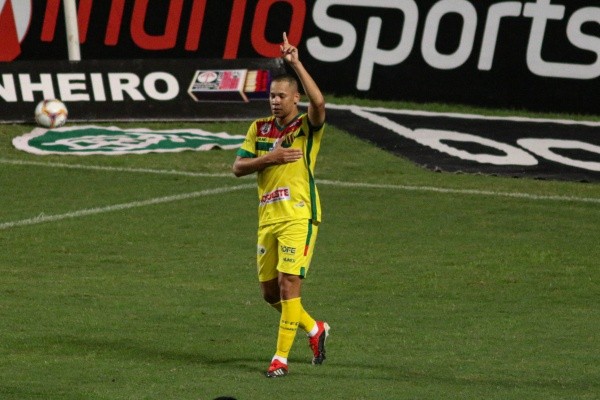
{"points": [[261, 250], [279, 194], [288, 250]]}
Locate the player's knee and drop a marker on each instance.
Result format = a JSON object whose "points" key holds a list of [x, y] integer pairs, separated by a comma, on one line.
{"points": [[271, 298], [289, 286], [270, 291]]}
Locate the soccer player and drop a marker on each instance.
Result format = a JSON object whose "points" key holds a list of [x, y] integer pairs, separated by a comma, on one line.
{"points": [[282, 150]]}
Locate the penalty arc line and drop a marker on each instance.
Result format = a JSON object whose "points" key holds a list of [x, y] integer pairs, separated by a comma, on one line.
{"points": [[124, 206]]}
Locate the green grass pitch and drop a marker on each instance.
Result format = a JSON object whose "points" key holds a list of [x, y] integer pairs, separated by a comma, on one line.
{"points": [[436, 286]]}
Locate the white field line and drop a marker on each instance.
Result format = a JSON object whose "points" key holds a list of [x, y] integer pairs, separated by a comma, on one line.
{"points": [[115, 169], [124, 206], [516, 195]]}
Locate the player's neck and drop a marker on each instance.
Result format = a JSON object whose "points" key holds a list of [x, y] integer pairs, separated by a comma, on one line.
{"points": [[283, 122]]}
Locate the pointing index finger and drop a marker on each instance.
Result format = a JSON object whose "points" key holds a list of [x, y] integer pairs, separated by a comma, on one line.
{"points": [[285, 39]]}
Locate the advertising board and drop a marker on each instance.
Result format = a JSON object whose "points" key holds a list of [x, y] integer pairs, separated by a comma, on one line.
{"points": [[541, 55]]}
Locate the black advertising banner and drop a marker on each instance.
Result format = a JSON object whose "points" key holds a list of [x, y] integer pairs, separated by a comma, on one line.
{"points": [[541, 55], [517, 147], [108, 90]]}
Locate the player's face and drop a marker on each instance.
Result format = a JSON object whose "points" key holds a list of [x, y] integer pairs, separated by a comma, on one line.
{"points": [[283, 99]]}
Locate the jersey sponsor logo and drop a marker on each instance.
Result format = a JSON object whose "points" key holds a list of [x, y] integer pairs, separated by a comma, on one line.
{"points": [[295, 124], [279, 194], [87, 140]]}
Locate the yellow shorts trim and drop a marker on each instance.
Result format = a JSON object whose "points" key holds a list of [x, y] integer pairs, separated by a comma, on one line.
{"points": [[285, 247]]}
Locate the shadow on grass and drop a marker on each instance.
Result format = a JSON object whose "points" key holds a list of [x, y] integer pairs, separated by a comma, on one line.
{"points": [[212, 356], [151, 352]]}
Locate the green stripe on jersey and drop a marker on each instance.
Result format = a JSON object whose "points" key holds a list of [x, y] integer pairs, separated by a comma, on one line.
{"points": [[245, 154], [311, 179], [265, 146]]}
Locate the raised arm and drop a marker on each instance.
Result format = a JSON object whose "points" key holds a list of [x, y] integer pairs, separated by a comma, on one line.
{"points": [[316, 108]]}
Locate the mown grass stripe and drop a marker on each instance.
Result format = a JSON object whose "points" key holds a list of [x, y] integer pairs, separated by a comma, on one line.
{"points": [[518, 195], [42, 218]]}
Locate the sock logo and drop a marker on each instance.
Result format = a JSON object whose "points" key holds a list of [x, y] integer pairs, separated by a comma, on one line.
{"points": [[15, 17]]}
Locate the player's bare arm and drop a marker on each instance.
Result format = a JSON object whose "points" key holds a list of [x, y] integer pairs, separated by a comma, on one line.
{"points": [[280, 155], [316, 108]]}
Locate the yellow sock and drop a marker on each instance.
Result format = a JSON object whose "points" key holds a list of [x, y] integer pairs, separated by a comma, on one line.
{"points": [[288, 325], [306, 321]]}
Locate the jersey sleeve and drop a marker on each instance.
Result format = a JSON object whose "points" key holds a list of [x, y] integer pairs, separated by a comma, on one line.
{"points": [[248, 148]]}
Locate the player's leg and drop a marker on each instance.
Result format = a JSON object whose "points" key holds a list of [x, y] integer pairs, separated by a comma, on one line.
{"points": [[267, 259], [307, 323], [317, 331], [291, 309], [266, 263], [296, 240], [268, 276]]}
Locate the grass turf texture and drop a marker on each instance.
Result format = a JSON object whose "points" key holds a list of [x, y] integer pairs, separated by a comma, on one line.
{"points": [[430, 295]]}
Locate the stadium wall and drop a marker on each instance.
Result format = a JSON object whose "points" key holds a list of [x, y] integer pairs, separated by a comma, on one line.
{"points": [[541, 55]]}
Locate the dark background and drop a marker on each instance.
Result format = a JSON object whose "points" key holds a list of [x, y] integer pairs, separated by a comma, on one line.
{"points": [[508, 85]]}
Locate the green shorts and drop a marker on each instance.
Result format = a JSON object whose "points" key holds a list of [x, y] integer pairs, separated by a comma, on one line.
{"points": [[285, 247]]}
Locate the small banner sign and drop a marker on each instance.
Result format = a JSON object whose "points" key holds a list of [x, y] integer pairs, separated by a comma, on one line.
{"points": [[230, 85]]}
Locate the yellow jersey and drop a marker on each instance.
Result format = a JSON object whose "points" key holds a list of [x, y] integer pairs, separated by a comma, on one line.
{"points": [[286, 191]]}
